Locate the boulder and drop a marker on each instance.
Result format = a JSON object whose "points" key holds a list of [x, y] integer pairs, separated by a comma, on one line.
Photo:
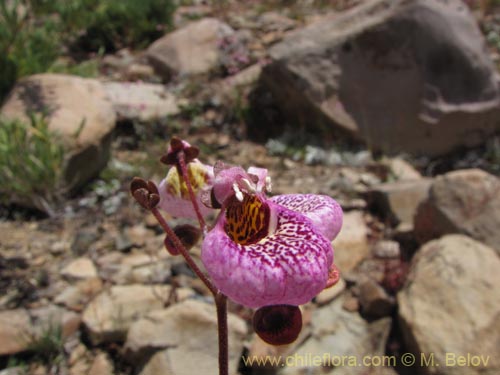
{"points": [[339, 340], [184, 338], [108, 316], [449, 306], [465, 201], [397, 202], [351, 246], [193, 49], [141, 101], [78, 109], [403, 76], [14, 331]]}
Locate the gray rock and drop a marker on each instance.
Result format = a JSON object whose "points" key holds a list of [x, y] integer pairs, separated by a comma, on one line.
{"points": [[397, 202], [374, 300], [80, 268], [351, 245], [185, 339], [108, 317], [411, 76], [79, 110], [141, 101], [464, 201], [387, 249], [339, 338], [83, 240], [449, 306], [14, 331], [193, 49]]}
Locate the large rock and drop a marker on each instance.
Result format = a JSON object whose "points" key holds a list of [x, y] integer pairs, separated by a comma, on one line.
{"points": [[141, 101], [193, 49], [411, 76], [397, 202], [108, 317], [351, 245], [464, 201], [78, 109], [184, 338], [340, 340], [14, 331], [449, 307]]}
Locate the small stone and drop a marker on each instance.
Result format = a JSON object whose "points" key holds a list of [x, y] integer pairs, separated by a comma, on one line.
{"points": [[387, 249], [75, 297], [374, 300], [350, 304], [80, 268], [329, 294], [101, 365], [83, 241], [123, 242]]}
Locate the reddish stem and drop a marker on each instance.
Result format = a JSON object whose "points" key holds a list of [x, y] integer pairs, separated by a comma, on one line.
{"points": [[182, 250], [221, 305], [184, 173]]}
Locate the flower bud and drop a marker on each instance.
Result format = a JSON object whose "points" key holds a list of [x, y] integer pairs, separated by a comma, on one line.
{"points": [[278, 324]]}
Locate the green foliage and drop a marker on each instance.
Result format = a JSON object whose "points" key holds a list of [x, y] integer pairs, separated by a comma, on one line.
{"points": [[31, 161], [34, 33], [48, 345]]}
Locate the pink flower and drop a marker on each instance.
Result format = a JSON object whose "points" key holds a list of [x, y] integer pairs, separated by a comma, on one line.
{"points": [[173, 191], [268, 251]]}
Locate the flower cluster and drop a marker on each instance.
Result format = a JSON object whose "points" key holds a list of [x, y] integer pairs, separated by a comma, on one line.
{"points": [[269, 253]]}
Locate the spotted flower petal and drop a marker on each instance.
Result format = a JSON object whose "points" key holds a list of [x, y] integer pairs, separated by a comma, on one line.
{"points": [[174, 194], [262, 253], [324, 212]]}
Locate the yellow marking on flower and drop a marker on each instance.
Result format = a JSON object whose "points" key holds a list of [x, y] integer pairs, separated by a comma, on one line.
{"points": [[197, 175], [247, 222]]}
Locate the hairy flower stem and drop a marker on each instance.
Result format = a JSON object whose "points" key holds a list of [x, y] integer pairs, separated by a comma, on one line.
{"points": [[184, 173], [221, 305], [182, 250]]}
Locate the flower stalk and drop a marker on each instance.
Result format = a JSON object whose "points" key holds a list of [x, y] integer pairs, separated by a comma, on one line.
{"points": [[271, 254]]}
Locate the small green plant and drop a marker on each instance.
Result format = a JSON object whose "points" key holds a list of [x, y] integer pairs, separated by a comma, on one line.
{"points": [[48, 345], [31, 162]]}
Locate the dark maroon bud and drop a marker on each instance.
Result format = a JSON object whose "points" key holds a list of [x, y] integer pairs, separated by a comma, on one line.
{"points": [[278, 324], [169, 245], [145, 193], [188, 234], [138, 183], [176, 147]]}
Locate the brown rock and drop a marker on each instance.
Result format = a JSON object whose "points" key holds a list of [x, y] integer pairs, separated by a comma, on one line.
{"points": [[410, 76], [141, 101], [109, 316], [14, 331], [185, 339], [464, 201], [193, 49], [450, 304], [398, 201], [374, 300], [351, 245], [80, 268], [78, 109]]}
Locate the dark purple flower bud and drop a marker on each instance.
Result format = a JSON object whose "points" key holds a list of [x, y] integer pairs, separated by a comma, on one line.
{"points": [[278, 324], [176, 146], [145, 193]]}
